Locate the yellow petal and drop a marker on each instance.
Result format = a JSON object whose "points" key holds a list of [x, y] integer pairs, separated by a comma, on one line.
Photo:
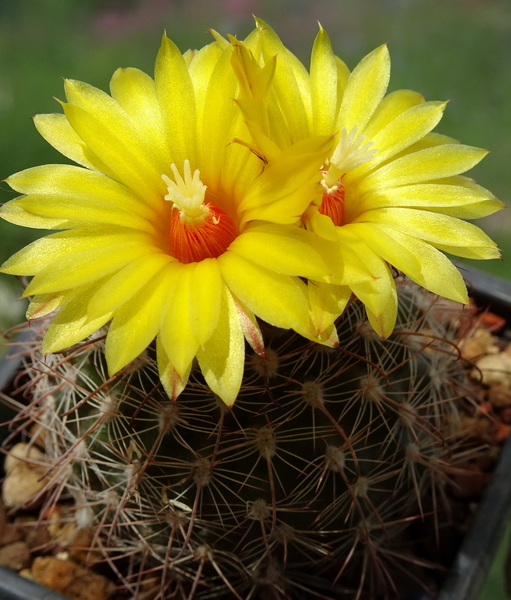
{"points": [[327, 302], [391, 107], [373, 292], [436, 273], [71, 325], [43, 304], [386, 246], [425, 195], [222, 357], [476, 210], [135, 93], [343, 74], [64, 209], [249, 326], [255, 103], [364, 90], [429, 226], [57, 131], [383, 321], [107, 111], [225, 166], [432, 163], [36, 256], [321, 225], [177, 100], [254, 80], [173, 383], [379, 296], [205, 297], [323, 81], [277, 299], [359, 263], [76, 269], [137, 322], [201, 71], [129, 164], [287, 249], [288, 185], [219, 39], [473, 253], [84, 186], [262, 144], [328, 337], [176, 333], [12, 212], [123, 285], [287, 82], [406, 129], [430, 141]]}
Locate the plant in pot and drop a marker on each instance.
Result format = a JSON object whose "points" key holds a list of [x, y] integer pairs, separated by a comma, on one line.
{"points": [[280, 234]]}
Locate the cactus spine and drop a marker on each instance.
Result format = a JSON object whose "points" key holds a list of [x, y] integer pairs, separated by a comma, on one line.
{"points": [[305, 488]]}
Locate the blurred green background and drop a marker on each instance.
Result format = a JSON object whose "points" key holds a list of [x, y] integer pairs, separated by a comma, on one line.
{"points": [[447, 49]]}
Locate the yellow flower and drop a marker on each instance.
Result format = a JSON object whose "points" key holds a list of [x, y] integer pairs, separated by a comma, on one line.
{"points": [[170, 230], [393, 192]]}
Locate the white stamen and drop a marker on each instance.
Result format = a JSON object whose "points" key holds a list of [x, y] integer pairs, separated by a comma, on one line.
{"points": [[350, 153], [329, 189], [187, 194]]}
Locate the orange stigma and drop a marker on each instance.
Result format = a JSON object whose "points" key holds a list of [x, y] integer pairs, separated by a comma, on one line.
{"points": [[192, 242], [332, 204]]}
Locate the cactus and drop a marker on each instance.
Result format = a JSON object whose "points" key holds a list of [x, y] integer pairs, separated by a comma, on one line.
{"points": [[304, 488], [204, 471]]}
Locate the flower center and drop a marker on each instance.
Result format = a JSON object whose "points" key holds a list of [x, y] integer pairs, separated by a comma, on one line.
{"points": [[197, 230], [332, 203], [351, 152]]}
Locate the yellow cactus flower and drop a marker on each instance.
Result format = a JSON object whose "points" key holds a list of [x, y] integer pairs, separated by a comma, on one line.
{"points": [[167, 227], [392, 190]]}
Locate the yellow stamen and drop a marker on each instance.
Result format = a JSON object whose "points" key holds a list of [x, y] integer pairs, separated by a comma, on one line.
{"points": [[187, 194]]}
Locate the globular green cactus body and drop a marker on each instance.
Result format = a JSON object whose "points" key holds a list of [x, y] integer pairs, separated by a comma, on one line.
{"points": [[303, 489]]}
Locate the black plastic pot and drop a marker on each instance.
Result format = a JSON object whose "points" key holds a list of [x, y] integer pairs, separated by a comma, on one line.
{"points": [[473, 560], [15, 587], [472, 563]]}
